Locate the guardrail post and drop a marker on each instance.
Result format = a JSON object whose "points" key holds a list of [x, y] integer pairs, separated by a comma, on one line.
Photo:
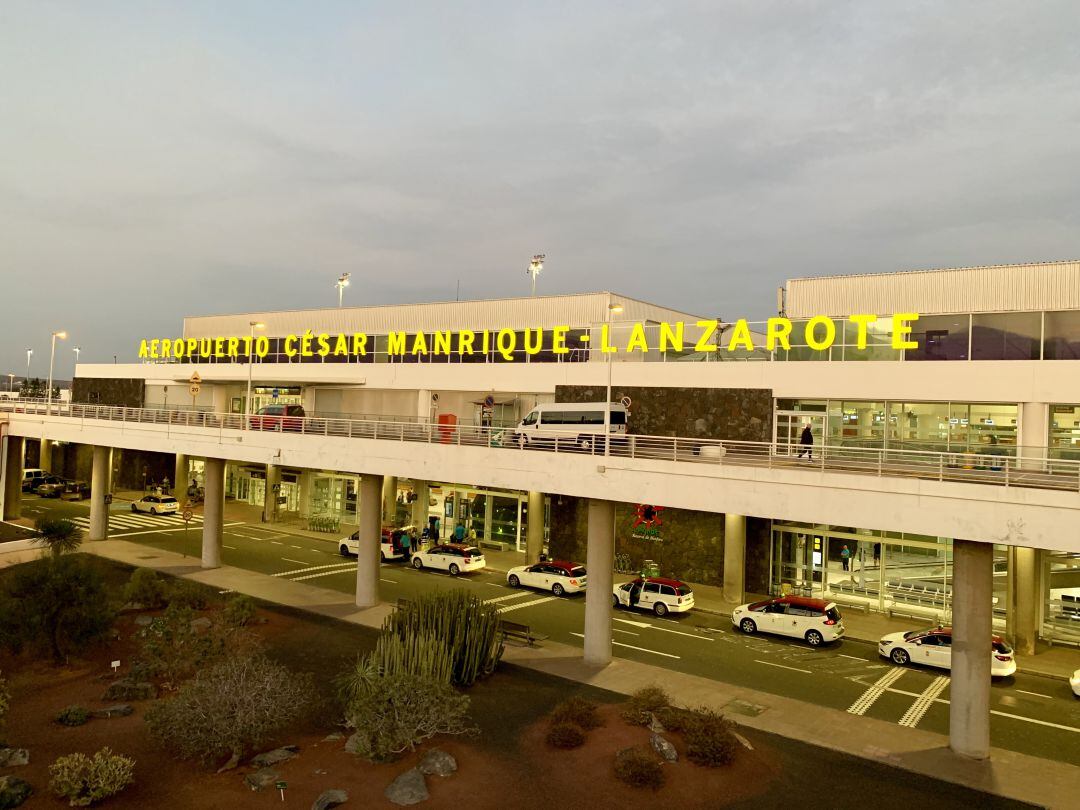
{"points": [[1006, 472], [675, 449], [941, 467]]}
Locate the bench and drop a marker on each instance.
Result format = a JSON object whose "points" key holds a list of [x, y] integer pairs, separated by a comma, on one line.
{"points": [[520, 632], [851, 603]]}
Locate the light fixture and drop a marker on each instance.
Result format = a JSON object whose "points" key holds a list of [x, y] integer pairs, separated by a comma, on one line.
{"points": [[52, 358], [342, 283], [251, 362], [535, 266]]}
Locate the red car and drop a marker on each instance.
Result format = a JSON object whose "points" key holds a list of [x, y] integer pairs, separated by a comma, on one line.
{"points": [[278, 417]]}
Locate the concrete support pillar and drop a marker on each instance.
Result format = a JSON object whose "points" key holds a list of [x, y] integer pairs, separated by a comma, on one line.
{"points": [[423, 404], [421, 505], [307, 484], [13, 475], [389, 500], [599, 560], [734, 558], [213, 512], [1022, 609], [99, 488], [220, 395], [972, 632], [1033, 435], [270, 493], [534, 537], [181, 478], [45, 454], [372, 491]]}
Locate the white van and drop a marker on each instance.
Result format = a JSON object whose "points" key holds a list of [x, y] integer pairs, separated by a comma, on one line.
{"points": [[575, 424]]}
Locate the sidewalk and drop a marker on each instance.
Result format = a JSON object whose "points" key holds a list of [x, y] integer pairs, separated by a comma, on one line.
{"points": [[1016, 776]]}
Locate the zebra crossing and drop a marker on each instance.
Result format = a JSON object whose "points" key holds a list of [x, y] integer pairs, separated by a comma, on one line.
{"points": [[125, 520]]}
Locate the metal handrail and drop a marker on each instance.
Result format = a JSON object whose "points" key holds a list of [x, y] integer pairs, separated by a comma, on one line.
{"points": [[1034, 471]]}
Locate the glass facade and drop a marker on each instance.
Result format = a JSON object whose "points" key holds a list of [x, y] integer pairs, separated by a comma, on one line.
{"points": [[1064, 440]]}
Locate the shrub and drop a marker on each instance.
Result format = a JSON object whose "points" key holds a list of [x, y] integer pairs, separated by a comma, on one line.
{"points": [[239, 610], [645, 701], [709, 739], [639, 768], [83, 780], [397, 712], [73, 716], [186, 594], [145, 588], [58, 535], [5, 700], [462, 622], [58, 604], [579, 711], [674, 718], [173, 648], [418, 655], [565, 735], [231, 707]]}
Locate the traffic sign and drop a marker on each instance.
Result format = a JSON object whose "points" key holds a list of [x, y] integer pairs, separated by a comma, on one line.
{"points": [[489, 400], [194, 389], [188, 515], [195, 379]]}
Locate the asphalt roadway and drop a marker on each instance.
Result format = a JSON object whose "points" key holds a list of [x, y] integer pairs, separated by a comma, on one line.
{"points": [[1030, 714]]}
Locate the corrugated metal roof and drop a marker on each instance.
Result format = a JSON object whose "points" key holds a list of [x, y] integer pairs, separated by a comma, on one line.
{"points": [[992, 288], [580, 310]]}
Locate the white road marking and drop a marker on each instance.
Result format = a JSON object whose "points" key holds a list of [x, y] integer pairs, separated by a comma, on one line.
{"points": [[632, 647], [782, 666], [632, 622], [1033, 720], [664, 629], [276, 543], [313, 568], [316, 576], [508, 608], [298, 562], [924, 701], [852, 657], [391, 581], [870, 696], [1036, 694], [231, 548], [299, 547], [628, 632], [517, 595]]}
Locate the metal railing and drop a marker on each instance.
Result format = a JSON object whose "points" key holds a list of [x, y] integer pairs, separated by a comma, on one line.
{"points": [[1028, 468]]}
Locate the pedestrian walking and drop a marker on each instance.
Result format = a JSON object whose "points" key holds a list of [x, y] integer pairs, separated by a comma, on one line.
{"points": [[845, 557], [806, 441], [459, 532], [406, 545], [877, 553], [165, 484]]}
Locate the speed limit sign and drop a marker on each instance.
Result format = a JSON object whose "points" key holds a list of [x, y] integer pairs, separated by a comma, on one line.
{"points": [[188, 515]]}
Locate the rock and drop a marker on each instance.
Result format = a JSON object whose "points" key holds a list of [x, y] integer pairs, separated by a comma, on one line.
{"points": [[664, 748], [234, 760], [337, 735], [13, 791], [437, 762], [262, 778], [10, 757], [275, 757], [655, 726], [144, 620], [202, 623], [330, 798], [127, 689], [350, 744], [408, 789], [117, 710]]}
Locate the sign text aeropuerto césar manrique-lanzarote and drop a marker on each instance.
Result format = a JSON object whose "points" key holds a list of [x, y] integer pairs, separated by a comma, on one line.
{"points": [[818, 333]]}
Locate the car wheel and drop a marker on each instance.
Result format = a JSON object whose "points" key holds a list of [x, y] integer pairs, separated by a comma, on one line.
{"points": [[660, 609], [417, 563], [344, 550], [814, 638], [153, 511], [900, 656], [522, 441], [558, 589], [748, 626], [615, 601], [454, 570], [585, 443], [513, 580], [133, 508], [382, 556]]}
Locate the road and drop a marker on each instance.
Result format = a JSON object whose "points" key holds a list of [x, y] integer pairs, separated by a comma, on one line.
{"points": [[1030, 714]]}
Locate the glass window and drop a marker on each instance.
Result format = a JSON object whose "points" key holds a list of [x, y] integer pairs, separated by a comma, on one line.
{"points": [[940, 337], [1065, 431], [651, 587], [878, 341], [1005, 336], [1061, 339]]}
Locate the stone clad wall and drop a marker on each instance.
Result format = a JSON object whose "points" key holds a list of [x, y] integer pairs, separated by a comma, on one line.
{"points": [[737, 414]]}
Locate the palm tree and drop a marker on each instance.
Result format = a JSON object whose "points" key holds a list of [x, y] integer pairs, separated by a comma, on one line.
{"points": [[58, 535]]}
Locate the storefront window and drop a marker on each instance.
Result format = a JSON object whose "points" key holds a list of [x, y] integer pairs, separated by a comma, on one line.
{"points": [[1005, 336], [1061, 337]]}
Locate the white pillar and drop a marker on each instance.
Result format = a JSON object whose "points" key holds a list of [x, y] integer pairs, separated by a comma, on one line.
{"points": [[99, 488], [213, 512], [599, 561], [1033, 434], [307, 482], [1022, 609], [181, 478], [972, 631], [423, 404], [734, 558], [370, 527], [421, 505], [13, 474], [534, 537], [389, 500], [273, 477], [45, 454]]}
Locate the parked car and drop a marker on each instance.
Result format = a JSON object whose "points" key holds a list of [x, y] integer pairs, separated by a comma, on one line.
{"points": [[1074, 682], [558, 576], [390, 547], [278, 417], [32, 478], [933, 648], [576, 425], [456, 558], [75, 491], [51, 486], [156, 505], [814, 620], [660, 595]]}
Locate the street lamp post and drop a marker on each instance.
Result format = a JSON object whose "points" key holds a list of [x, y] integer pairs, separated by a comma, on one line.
{"points": [[29, 354], [52, 358], [251, 361], [611, 309], [11, 381], [342, 283], [535, 266], [77, 350]]}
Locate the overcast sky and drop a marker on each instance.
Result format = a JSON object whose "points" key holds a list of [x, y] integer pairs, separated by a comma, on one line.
{"points": [[163, 159]]}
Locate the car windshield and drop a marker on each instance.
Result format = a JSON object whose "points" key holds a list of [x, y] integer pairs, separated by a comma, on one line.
{"points": [[908, 636], [759, 605], [472, 551], [168, 500], [833, 614], [1002, 647]]}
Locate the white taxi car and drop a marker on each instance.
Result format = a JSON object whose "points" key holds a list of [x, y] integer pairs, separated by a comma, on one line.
{"points": [[814, 620], [390, 547], [156, 505], [933, 648], [558, 576], [457, 558], [660, 595], [1074, 682]]}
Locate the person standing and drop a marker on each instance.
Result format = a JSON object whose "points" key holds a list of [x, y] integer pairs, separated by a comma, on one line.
{"points": [[459, 532], [406, 545], [806, 441], [845, 557]]}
